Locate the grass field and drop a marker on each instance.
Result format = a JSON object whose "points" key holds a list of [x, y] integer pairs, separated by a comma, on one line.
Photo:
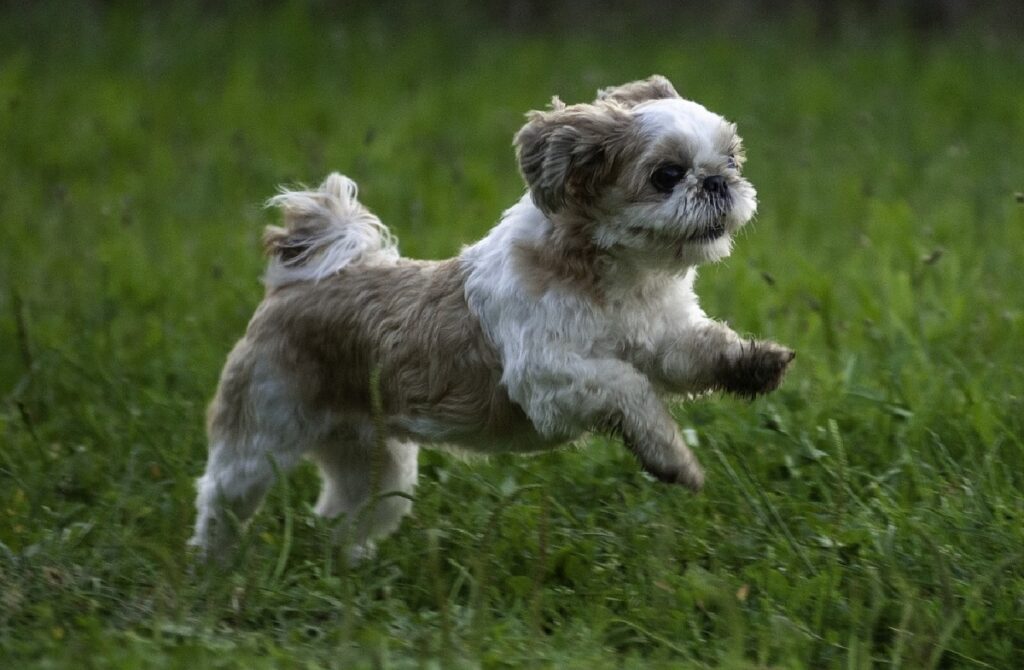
{"points": [[868, 514]]}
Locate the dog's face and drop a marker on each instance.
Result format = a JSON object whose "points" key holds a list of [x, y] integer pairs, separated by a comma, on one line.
{"points": [[641, 172]]}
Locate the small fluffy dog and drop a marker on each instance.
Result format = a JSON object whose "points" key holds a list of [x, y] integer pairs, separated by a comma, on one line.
{"points": [[575, 313]]}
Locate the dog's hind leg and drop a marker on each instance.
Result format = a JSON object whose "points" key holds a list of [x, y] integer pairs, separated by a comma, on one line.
{"points": [[237, 478], [368, 483], [256, 431]]}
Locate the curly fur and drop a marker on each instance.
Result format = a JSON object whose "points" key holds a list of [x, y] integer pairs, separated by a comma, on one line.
{"points": [[576, 313]]}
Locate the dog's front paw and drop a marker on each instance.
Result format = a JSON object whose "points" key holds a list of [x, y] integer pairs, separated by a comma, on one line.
{"points": [[690, 475], [758, 369], [671, 462]]}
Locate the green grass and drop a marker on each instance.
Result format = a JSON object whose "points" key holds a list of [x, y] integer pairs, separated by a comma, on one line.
{"points": [[867, 514]]}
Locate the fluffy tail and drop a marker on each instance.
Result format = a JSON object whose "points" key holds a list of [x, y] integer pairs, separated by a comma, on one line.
{"points": [[325, 230]]}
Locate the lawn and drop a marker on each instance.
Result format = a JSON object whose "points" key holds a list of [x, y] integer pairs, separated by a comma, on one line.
{"points": [[867, 514]]}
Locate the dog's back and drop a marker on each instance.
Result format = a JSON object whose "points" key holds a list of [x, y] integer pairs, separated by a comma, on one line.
{"points": [[407, 321]]}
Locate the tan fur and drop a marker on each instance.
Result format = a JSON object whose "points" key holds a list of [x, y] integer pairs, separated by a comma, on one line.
{"points": [[568, 154], [586, 287], [655, 87], [568, 258], [410, 319]]}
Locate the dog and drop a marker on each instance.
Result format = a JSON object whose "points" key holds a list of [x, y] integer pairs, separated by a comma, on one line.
{"points": [[575, 314]]}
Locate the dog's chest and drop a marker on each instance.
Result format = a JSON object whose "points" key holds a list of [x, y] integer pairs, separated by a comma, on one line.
{"points": [[637, 324]]}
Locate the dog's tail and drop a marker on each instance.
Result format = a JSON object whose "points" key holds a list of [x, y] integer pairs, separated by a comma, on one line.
{"points": [[325, 230]]}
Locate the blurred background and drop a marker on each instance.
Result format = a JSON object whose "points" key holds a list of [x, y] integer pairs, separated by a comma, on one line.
{"points": [[866, 514]]}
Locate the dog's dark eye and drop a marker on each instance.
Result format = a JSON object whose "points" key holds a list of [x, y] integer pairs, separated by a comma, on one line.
{"points": [[667, 176], [731, 162]]}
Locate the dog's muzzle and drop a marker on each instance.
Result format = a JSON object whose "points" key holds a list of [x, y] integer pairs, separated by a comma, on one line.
{"points": [[716, 186]]}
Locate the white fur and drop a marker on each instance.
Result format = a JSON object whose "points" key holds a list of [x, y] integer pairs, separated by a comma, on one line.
{"points": [[680, 216], [557, 346], [568, 360], [238, 475], [347, 233]]}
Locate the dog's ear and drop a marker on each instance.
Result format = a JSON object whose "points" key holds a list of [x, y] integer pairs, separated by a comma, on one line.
{"points": [[632, 94], [568, 153]]}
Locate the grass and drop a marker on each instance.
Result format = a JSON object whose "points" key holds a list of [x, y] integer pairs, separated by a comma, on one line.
{"points": [[868, 514]]}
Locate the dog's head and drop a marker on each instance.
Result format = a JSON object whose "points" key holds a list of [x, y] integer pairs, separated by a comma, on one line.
{"points": [[648, 173]]}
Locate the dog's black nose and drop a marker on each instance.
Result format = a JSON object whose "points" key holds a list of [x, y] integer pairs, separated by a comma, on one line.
{"points": [[715, 184]]}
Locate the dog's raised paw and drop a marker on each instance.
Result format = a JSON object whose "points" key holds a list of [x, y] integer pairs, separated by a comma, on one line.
{"points": [[758, 370], [690, 475]]}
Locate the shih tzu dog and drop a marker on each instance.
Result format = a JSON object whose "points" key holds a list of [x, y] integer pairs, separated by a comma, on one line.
{"points": [[576, 313]]}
